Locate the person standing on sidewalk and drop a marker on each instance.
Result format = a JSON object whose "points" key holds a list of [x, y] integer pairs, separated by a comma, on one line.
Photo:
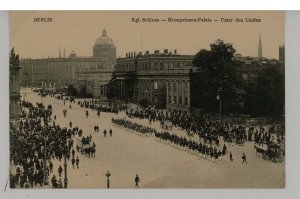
{"points": [[137, 180]]}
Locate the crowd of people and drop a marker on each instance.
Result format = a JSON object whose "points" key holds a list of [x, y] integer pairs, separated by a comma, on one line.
{"points": [[210, 129], [35, 143]]}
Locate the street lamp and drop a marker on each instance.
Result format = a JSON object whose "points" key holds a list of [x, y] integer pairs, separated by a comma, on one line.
{"points": [[65, 164], [46, 182]]}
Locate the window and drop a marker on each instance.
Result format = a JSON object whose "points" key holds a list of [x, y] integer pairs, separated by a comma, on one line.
{"points": [[180, 100], [179, 86], [170, 99], [175, 99], [155, 85], [185, 87], [185, 101], [161, 66], [155, 66], [169, 87], [175, 87]]}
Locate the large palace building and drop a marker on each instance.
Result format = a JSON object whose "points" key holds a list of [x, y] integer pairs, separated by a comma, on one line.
{"points": [[78, 71], [161, 79]]}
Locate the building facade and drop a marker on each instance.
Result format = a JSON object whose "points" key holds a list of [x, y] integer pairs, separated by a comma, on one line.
{"points": [[73, 70], [160, 79]]}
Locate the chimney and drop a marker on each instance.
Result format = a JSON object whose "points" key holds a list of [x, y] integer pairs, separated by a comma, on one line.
{"points": [[166, 51], [175, 51], [156, 51], [140, 53], [147, 52]]}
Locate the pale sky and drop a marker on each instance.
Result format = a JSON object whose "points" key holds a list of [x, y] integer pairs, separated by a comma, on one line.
{"points": [[78, 31]]}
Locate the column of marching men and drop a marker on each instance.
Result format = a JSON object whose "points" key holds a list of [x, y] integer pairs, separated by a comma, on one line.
{"points": [[209, 131]]}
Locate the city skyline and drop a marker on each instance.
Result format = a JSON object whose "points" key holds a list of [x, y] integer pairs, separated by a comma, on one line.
{"points": [[30, 37]]}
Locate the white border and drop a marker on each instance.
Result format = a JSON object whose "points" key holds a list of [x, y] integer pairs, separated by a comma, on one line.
{"points": [[292, 189], [150, 5]]}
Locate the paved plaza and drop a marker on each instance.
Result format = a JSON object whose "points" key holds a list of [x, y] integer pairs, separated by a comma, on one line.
{"points": [[158, 165]]}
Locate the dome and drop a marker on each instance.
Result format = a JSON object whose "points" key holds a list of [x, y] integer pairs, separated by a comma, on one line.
{"points": [[104, 39]]}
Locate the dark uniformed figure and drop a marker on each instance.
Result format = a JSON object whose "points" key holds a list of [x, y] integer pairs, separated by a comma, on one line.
{"points": [[137, 180], [244, 158], [104, 132], [51, 166], [73, 162], [60, 170], [77, 162], [73, 153], [230, 156], [110, 132], [108, 182], [54, 182]]}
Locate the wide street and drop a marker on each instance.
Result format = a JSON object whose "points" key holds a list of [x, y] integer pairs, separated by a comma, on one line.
{"points": [[159, 165]]}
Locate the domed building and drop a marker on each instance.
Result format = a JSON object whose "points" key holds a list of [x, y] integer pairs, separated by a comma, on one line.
{"points": [[104, 48], [87, 74]]}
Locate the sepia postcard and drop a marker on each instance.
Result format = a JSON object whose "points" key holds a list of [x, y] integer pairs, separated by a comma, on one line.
{"points": [[146, 99]]}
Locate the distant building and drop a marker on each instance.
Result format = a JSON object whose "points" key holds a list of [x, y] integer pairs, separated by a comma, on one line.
{"points": [[92, 77], [63, 71], [249, 67], [162, 79]]}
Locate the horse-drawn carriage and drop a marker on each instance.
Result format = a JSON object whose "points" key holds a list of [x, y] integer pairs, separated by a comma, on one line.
{"points": [[273, 152]]}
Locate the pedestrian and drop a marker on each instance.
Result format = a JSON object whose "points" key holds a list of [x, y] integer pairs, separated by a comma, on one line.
{"points": [[137, 180], [60, 170], [104, 132], [54, 182], [73, 153], [230, 156], [77, 162], [50, 166], [70, 107], [244, 158], [70, 124], [73, 162], [110, 132], [108, 181]]}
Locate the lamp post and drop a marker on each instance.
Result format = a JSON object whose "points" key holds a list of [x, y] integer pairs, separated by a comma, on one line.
{"points": [[65, 165], [46, 182]]}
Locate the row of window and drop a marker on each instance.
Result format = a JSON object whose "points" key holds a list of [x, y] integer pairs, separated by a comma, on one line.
{"points": [[172, 87], [180, 100], [152, 66]]}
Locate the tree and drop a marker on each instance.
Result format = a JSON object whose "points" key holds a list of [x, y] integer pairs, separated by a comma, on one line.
{"points": [[266, 96], [112, 92], [216, 79], [14, 59]]}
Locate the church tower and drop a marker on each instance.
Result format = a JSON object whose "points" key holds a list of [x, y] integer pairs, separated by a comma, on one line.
{"points": [[259, 47]]}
